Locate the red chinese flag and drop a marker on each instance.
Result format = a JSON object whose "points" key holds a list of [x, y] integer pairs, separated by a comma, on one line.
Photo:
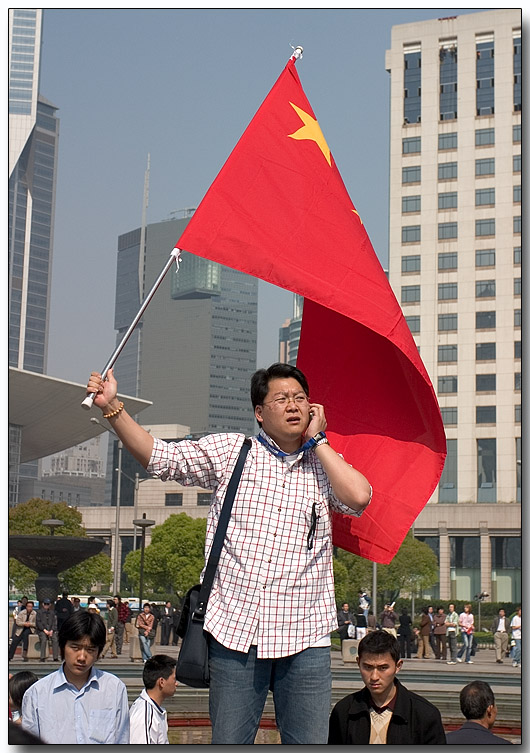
{"points": [[279, 210]]}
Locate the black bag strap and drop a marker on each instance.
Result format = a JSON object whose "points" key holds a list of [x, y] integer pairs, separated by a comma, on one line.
{"points": [[218, 541]]}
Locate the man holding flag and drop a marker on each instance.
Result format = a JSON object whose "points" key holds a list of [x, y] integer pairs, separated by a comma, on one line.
{"points": [[272, 605]]}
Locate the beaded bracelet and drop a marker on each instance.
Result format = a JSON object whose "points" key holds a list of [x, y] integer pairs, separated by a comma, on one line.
{"points": [[114, 412]]}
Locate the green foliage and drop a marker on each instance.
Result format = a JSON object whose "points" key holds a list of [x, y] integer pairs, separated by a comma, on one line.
{"points": [[174, 559], [26, 519], [414, 567]]}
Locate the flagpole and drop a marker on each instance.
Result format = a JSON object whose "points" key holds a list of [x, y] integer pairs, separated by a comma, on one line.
{"points": [[174, 257]]}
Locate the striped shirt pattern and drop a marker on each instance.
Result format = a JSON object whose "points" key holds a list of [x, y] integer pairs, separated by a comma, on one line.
{"points": [[148, 722], [267, 576]]}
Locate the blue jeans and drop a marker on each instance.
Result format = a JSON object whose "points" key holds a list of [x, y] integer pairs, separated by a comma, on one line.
{"points": [[517, 650], [466, 646], [239, 683], [145, 646]]}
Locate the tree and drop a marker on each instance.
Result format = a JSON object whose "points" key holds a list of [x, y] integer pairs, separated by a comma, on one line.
{"points": [[413, 568], [351, 573], [175, 557], [26, 519]]}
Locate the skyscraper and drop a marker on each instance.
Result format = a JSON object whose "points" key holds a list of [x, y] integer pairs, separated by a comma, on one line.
{"points": [[33, 140], [455, 266], [195, 349]]}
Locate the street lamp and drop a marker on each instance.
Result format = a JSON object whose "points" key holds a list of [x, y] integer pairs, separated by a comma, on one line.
{"points": [[136, 481], [480, 597], [142, 523], [52, 524]]}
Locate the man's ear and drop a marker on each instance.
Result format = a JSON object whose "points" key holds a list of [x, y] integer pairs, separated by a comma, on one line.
{"points": [[399, 664], [258, 413]]}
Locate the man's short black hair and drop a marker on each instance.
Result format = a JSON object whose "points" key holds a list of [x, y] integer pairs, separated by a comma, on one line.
{"points": [[379, 642], [475, 699], [80, 625], [159, 665], [30, 602], [259, 384]]}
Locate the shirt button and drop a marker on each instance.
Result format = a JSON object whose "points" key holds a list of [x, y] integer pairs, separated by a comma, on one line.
{"points": [[269, 562]]}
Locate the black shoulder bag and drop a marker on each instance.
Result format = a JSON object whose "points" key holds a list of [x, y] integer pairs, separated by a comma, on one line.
{"points": [[192, 663]]}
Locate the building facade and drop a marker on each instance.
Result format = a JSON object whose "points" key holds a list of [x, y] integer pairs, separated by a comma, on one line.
{"points": [[33, 142], [194, 351], [290, 333], [455, 267]]}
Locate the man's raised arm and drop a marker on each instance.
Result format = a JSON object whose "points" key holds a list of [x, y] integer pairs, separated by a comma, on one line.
{"points": [[138, 441]]}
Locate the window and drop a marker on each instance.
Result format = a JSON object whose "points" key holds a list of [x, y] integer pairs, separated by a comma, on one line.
{"points": [[484, 136], [517, 224], [484, 197], [448, 171], [486, 414], [447, 322], [448, 81], [517, 414], [518, 467], [485, 382], [485, 166], [447, 353], [447, 384], [484, 227], [485, 351], [411, 174], [517, 195], [486, 470], [517, 318], [449, 416], [447, 141], [517, 163], [517, 286], [517, 381], [174, 499], [411, 264], [484, 72], [517, 255], [410, 204], [448, 260], [412, 145], [448, 200], [412, 86], [485, 319], [516, 134], [447, 230], [517, 349], [447, 291], [485, 257], [413, 323], [411, 234], [485, 289], [410, 293], [449, 479], [204, 499]]}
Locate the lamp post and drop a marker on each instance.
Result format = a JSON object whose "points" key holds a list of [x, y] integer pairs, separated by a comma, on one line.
{"points": [[480, 597], [142, 523], [52, 524]]}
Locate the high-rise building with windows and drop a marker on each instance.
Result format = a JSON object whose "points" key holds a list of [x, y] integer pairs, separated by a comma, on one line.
{"points": [[195, 349], [455, 266], [33, 141], [290, 333]]}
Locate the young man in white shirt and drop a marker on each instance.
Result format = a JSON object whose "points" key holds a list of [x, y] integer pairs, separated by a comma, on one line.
{"points": [[148, 718]]}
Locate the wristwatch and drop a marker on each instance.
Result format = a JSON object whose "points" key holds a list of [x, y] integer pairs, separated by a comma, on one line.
{"points": [[318, 439]]}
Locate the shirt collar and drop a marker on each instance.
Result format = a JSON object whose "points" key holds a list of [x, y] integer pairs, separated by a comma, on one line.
{"points": [[274, 449], [61, 679]]}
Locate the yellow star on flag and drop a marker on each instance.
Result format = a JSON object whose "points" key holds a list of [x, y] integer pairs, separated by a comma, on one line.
{"points": [[311, 131]]}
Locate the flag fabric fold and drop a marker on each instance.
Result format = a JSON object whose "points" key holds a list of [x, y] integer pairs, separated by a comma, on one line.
{"points": [[279, 210]]}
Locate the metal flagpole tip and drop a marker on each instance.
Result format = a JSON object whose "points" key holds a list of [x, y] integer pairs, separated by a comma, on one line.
{"points": [[298, 52]]}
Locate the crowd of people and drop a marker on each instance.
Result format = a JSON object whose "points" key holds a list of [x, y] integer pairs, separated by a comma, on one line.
{"points": [[436, 637], [82, 704]]}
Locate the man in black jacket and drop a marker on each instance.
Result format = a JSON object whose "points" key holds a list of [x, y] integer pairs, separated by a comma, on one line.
{"points": [[46, 623], [477, 704], [384, 711]]}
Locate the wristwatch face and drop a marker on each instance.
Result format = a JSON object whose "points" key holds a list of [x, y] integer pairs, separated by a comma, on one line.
{"points": [[319, 436]]}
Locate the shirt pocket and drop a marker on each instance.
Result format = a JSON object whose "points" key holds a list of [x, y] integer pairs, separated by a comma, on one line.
{"points": [[315, 522], [101, 725]]}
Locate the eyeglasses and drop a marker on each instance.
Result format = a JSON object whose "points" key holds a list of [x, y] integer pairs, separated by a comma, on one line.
{"points": [[281, 402]]}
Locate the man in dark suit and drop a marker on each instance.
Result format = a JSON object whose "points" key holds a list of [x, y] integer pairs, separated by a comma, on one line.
{"points": [[166, 623], [477, 703]]}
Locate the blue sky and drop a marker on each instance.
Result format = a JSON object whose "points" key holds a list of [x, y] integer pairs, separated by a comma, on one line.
{"points": [[182, 85]]}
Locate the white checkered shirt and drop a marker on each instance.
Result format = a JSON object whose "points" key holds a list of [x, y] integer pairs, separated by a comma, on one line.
{"points": [[267, 576]]}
